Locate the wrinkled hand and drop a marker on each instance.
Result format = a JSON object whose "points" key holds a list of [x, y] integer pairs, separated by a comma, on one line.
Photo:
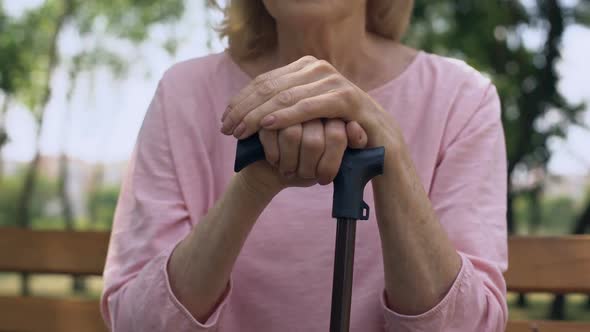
{"points": [[304, 90], [303, 155]]}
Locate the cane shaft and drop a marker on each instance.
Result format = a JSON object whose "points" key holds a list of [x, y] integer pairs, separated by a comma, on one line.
{"points": [[343, 272]]}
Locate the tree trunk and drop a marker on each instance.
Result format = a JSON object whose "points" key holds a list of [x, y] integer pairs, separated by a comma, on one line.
{"points": [[535, 210], [24, 202], [23, 218], [62, 183], [79, 285], [510, 212], [3, 134], [583, 221], [96, 181]]}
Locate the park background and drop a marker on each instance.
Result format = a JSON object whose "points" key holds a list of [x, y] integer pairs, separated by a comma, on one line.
{"points": [[76, 78]]}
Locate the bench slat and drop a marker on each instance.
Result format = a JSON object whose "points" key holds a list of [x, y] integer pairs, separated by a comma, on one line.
{"points": [[546, 326], [33, 314], [549, 264], [542, 264], [80, 253]]}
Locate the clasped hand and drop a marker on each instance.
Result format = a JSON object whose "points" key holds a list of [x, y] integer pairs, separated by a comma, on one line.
{"points": [[306, 114]]}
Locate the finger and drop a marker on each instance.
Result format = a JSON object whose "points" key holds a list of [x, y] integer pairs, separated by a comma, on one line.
{"points": [[289, 142], [284, 99], [357, 137], [312, 148], [335, 136], [257, 82], [275, 88], [270, 143], [341, 103]]}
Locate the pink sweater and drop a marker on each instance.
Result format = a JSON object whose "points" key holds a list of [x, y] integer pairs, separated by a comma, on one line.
{"points": [[450, 118]]}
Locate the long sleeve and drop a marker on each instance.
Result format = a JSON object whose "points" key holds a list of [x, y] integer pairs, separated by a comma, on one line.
{"points": [[151, 218], [468, 194]]}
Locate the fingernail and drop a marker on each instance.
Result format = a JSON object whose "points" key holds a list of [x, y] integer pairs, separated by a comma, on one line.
{"points": [[289, 175], [225, 113], [227, 126], [268, 120], [239, 130]]}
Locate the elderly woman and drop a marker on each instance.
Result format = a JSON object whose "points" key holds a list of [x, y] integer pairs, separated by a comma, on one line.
{"points": [[196, 247]]}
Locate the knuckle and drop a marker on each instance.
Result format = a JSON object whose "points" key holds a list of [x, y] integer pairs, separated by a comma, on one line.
{"points": [[320, 67], [285, 97], [347, 94], [266, 87], [305, 105], [336, 136], [308, 59], [324, 65], [250, 120], [333, 80], [292, 134], [260, 79], [312, 144]]}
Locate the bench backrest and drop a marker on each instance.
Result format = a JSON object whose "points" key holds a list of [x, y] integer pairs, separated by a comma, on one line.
{"points": [[77, 253], [537, 264]]}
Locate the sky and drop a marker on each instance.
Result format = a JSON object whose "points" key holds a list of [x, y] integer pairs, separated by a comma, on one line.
{"points": [[104, 116]]}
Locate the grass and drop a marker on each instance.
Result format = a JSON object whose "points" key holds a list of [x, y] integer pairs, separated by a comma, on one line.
{"points": [[539, 307], [50, 285]]}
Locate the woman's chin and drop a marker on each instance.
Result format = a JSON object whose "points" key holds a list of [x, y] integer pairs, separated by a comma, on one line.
{"points": [[307, 11]]}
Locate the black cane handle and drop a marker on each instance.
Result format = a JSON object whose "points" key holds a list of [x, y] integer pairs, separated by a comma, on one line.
{"points": [[357, 168]]}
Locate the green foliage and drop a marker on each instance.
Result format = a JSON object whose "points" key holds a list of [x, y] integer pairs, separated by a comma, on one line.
{"points": [[10, 189], [44, 208], [557, 215], [488, 35], [28, 45], [29, 52], [101, 206], [127, 19], [13, 61]]}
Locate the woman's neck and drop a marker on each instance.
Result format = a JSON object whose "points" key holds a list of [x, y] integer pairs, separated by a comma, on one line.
{"points": [[344, 43], [364, 58]]}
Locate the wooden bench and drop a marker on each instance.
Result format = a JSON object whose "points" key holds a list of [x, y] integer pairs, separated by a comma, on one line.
{"points": [[548, 264], [78, 253]]}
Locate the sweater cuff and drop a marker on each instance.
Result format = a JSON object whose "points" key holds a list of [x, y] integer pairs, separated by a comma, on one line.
{"points": [[435, 318], [211, 323]]}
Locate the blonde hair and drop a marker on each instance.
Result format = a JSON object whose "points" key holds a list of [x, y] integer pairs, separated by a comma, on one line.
{"points": [[251, 30]]}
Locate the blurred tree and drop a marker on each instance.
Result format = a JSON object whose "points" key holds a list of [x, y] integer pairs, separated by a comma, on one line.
{"points": [[37, 39], [101, 205], [13, 67], [10, 192], [488, 35]]}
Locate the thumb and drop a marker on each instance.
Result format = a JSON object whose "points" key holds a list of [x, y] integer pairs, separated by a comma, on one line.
{"points": [[357, 138]]}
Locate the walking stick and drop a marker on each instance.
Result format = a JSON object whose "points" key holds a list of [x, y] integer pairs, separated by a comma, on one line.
{"points": [[356, 169]]}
